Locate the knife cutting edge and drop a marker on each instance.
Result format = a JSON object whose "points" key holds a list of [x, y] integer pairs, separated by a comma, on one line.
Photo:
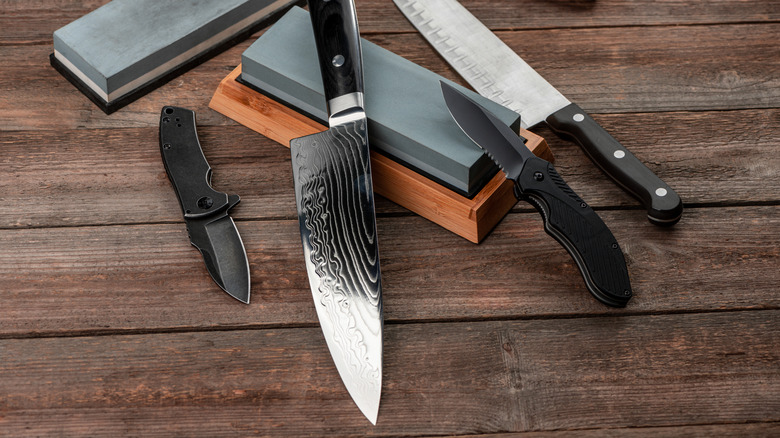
{"points": [[210, 228], [498, 73], [566, 217], [335, 201]]}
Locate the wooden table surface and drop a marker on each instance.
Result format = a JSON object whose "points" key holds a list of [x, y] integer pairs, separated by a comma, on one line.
{"points": [[111, 326]]}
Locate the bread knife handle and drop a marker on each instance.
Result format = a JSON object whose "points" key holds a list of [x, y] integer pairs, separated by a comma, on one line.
{"points": [[337, 38], [575, 225], [187, 167], [663, 205]]}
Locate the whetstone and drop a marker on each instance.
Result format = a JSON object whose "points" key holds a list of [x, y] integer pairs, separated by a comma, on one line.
{"points": [[470, 218], [407, 117], [124, 49]]}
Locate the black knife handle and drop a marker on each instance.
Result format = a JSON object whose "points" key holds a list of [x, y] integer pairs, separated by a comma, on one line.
{"points": [[663, 206], [187, 167], [575, 225], [338, 46]]}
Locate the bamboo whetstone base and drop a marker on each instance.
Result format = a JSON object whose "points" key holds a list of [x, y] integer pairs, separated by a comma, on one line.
{"points": [[471, 219]]}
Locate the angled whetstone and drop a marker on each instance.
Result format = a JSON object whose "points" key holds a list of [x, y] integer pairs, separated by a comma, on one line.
{"points": [[126, 48], [408, 119]]}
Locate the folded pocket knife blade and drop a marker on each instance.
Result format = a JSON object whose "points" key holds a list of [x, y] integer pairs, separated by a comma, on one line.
{"points": [[210, 228]]}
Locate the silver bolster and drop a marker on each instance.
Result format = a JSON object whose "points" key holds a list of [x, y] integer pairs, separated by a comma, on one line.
{"points": [[345, 109]]}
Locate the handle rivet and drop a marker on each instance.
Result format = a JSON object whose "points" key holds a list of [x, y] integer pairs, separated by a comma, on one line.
{"points": [[538, 176], [661, 191], [619, 154], [578, 117], [338, 60], [205, 203]]}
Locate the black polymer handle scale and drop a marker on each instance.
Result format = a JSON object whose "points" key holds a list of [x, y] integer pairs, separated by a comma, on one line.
{"points": [[664, 207], [338, 46], [579, 229], [187, 167]]}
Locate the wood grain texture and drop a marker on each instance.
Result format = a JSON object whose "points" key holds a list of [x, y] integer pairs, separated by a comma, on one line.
{"points": [[149, 277], [82, 176], [33, 22], [449, 378], [642, 69], [110, 325], [754, 430]]}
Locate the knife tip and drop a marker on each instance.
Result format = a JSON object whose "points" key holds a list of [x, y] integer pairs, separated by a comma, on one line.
{"points": [[242, 296]]}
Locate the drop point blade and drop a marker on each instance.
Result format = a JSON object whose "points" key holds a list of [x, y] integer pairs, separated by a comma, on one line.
{"points": [[225, 256]]}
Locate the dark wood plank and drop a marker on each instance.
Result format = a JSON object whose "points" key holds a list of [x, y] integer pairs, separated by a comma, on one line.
{"points": [[148, 277], [383, 16], [464, 378], [753, 430], [33, 22], [632, 69], [640, 69], [116, 176]]}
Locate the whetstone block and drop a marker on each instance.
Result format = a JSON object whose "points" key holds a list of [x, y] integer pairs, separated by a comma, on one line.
{"points": [[125, 48], [407, 117], [471, 218]]}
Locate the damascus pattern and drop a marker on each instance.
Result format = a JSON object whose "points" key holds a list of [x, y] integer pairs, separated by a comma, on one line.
{"points": [[335, 201]]}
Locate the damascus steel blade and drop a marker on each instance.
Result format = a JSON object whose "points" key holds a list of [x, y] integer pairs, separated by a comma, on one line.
{"points": [[335, 201], [483, 60]]}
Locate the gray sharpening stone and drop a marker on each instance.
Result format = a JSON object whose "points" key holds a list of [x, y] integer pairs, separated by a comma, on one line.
{"points": [[408, 119], [126, 48]]}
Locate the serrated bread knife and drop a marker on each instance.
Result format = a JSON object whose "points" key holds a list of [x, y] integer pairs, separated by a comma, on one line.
{"points": [[498, 73], [566, 217], [205, 210], [335, 201]]}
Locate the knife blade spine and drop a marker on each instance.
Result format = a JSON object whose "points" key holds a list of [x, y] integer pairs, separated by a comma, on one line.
{"points": [[465, 33]]}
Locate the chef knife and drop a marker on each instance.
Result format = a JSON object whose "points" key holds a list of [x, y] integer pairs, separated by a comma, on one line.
{"points": [[566, 217], [335, 201], [498, 73], [210, 228]]}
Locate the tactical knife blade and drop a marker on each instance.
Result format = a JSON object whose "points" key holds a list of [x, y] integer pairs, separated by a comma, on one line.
{"points": [[567, 218], [335, 202], [205, 210], [498, 73]]}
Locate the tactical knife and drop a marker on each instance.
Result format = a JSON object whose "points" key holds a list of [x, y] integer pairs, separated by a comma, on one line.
{"points": [[335, 201], [205, 210], [498, 73], [566, 217]]}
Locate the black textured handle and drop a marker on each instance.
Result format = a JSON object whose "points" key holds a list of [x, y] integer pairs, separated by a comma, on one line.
{"points": [[186, 165], [663, 205], [579, 229], [338, 46]]}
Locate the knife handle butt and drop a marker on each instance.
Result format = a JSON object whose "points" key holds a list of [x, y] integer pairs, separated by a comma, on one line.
{"points": [[338, 46], [578, 228], [664, 206]]}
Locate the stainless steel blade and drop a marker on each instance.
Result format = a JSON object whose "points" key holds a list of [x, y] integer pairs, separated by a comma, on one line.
{"points": [[486, 130], [335, 201], [223, 251], [476, 53]]}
